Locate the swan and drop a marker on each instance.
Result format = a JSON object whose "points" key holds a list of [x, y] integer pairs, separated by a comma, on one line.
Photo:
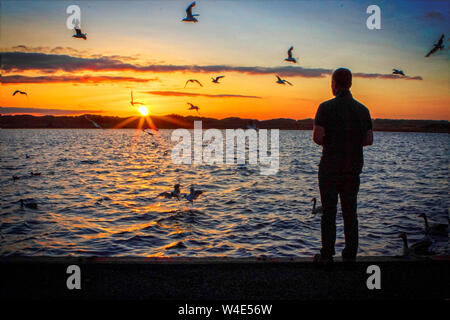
{"points": [[314, 209], [437, 46], [434, 229], [29, 203], [282, 81], [189, 16], [423, 247]]}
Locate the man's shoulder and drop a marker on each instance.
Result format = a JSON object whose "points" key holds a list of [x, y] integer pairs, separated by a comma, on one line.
{"points": [[328, 102], [362, 107]]}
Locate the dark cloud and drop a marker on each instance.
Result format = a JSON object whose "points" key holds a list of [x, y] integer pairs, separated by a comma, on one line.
{"points": [[434, 15], [385, 76], [49, 63], [14, 110], [78, 79], [190, 94]]}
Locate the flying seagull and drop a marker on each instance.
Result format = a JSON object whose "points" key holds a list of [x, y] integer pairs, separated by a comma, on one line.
{"points": [[94, 123], [193, 81], [192, 107], [134, 102], [397, 71], [79, 35], [216, 80], [189, 16], [281, 81], [21, 92], [437, 46], [290, 58]]}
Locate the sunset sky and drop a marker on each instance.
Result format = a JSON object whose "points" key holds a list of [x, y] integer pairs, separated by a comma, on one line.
{"points": [[143, 46]]}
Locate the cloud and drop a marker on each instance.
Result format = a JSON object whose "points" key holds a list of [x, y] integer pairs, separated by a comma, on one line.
{"points": [[385, 76], [190, 94], [434, 15], [49, 63], [14, 110], [78, 79]]}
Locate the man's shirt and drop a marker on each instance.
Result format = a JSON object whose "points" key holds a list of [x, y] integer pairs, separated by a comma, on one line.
{"points": [[346, 122]]}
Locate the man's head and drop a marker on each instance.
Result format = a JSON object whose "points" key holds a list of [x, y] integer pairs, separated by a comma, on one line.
{"points": [[341, 80]]}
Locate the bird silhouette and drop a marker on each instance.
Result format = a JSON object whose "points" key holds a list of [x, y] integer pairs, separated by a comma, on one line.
{"points": [[192, 107], [79, 34], [21, 92], [437, 46], [193, 81], [290, 58], [282, 81], [189, 16], [216, 79], [397, 71]]}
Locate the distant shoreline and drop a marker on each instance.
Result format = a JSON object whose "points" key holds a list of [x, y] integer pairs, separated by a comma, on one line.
{"points": [[174, 121]]}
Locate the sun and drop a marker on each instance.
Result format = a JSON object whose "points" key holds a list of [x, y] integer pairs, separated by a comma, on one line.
{"points": [[143, 110]]}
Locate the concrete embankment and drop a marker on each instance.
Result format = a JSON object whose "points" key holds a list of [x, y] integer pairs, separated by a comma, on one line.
{"points": [[222, 278]]}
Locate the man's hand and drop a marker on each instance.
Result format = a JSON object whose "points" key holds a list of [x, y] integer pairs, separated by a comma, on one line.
{"points": [[318, 134]]}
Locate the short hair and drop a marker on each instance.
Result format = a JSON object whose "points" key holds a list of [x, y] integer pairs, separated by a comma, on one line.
{"points": [[343, 78]]}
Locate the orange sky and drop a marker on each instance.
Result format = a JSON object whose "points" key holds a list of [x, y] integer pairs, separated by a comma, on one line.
{"points": [[163, 42]]}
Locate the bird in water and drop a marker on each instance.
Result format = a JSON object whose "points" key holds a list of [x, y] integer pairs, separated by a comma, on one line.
{"points": [[316, 210], [192, 107], [193, 195], [133, 103], [423, 247], [29, 203], [21, 92], [193, 81], [189, 16], [15, 178], [439, 229], [282, 81], [79, 34], [397, 71], [33, 174], [216, 79], [172, 194], [290, 58], [437, 46]]}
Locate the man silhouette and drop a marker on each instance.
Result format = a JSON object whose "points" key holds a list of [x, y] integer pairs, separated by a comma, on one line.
{"points": [[342, 126]]}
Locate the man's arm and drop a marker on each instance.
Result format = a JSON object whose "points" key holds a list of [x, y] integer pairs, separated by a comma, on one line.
{"points": [[319, 126], [369, 138], [318, 134]]}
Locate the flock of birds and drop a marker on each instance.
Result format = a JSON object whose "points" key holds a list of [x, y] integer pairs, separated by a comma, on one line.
{"points": [[422, 247], [190, 17]]}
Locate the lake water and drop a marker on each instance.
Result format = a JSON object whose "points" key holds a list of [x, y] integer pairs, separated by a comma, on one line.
{"points": [[97, 196]]}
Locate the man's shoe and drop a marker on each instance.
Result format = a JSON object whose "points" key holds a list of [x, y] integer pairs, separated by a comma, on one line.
{"points": [[320, 260]]}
